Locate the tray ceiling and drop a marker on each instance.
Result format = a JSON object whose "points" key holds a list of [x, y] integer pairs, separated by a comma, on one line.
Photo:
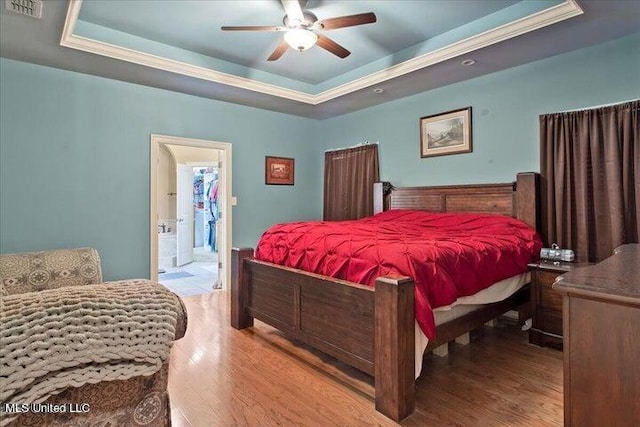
{"points": [[413, 46]]}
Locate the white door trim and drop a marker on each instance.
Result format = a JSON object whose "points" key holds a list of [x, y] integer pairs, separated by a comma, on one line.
{"points": [[225, 147]]}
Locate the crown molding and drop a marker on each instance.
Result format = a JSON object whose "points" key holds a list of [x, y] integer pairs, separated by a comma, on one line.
{"points": [[73, 41], [552, 15], [546, 17]]}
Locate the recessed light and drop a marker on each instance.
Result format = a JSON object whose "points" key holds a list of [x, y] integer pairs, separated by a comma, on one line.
{"points": [[378, 90], [468, 62]]}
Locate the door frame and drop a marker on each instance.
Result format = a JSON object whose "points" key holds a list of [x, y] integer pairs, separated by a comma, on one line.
{"points": [[225, 148]]}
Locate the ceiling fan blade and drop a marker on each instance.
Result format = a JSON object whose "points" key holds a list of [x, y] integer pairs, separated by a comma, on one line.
{"points": [[327, 44], [253, 28], [347, 21], [293, 10], [280, 50]]}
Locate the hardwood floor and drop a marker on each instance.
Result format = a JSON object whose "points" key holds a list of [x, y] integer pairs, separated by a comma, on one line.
{"points": [[223, 377]]}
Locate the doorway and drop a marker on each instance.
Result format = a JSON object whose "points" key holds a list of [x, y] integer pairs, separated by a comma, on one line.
{"points": [[188, 220], [190, 214]]}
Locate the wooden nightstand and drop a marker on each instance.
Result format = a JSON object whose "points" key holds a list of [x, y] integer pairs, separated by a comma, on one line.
{"points": [[546, 304]]}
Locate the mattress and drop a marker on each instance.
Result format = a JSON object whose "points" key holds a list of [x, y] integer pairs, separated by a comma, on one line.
{"points": [[464, 305]]}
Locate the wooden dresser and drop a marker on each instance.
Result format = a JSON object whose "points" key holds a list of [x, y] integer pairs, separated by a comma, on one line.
{"points": [[601, 318]]}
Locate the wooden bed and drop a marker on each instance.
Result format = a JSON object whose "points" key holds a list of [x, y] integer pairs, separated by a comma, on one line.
{"points": [[372, 329]]}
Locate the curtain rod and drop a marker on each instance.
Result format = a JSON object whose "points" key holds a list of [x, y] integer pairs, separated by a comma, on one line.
{"points": [[355, 146], [599, 106]]}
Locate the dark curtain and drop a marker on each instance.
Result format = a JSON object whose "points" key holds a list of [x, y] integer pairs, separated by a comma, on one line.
{"points": [[349, 175], [590, 169]]}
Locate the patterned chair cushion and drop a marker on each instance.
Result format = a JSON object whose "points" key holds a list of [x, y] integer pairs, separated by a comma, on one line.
{"points": [[36, 271]]}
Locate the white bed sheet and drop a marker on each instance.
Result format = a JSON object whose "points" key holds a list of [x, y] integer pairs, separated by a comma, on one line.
{"points": [[494, 293]]}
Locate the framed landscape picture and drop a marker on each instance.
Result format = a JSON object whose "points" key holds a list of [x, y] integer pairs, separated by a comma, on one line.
{"points": [[446, 133], [279, 170]]}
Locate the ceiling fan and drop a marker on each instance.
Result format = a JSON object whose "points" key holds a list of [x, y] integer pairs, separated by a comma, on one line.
{"points": [[302, 29]]}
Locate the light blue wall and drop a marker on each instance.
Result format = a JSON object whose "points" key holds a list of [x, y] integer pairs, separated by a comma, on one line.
{"points": [[74, 162], [74, 149], [506, 106]]}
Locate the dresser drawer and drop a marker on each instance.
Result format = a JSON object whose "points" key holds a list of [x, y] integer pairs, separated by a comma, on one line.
{"points": [[546, 278], [546, 296], [550, 299]]}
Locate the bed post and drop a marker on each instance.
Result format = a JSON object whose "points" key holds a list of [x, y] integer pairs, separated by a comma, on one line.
{"points": [[394, 347], [527, 197], [378, 198], [528, 210], [381, 192], [240, 319]]}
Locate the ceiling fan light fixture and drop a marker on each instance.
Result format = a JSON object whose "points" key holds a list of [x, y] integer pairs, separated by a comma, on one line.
{"points": [[300, 39]]}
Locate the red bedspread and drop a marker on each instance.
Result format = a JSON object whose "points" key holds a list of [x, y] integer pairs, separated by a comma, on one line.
{"points": [[448, 255]]}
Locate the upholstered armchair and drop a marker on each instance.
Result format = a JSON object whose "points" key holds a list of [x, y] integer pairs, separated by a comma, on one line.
{"points": [[77, 351]]}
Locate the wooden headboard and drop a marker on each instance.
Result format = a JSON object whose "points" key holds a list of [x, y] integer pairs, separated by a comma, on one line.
{"points": [[519, 199]]}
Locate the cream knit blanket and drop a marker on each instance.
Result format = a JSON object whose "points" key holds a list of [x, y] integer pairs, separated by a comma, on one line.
{"points": [[54, 339]]}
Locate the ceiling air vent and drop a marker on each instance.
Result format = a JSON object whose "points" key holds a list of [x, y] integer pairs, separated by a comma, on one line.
{"points": [[31, 8]]}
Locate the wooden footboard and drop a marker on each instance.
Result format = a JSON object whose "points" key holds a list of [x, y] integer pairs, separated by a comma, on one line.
{"points": [[370, 330]]}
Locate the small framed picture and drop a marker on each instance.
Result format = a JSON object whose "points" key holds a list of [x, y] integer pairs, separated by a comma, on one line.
{"points": [[279, 170], [446, 133]]}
